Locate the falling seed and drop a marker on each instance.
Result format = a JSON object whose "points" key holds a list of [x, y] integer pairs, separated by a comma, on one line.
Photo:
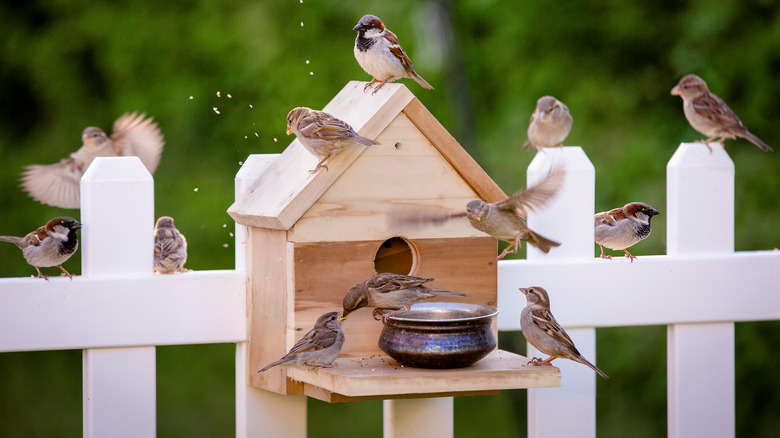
{"points": [[225, 245], [275, 140], [257, 135], [250, 106], [311, 73], [229, 96], [246, 136], [216, 110], [301, 23], [241, 163], [191, 97], [231, 234], [218, 94], [224, 225], [196, 189], [307, 61]]}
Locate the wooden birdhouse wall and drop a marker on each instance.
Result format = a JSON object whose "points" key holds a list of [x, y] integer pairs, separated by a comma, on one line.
{"points": [[299, 271]]}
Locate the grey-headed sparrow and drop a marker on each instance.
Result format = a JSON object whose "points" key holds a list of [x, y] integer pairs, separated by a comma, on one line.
{"points": [[49, 245], [322, 134], [58, 184], [170, 247], [550, 124], [318, 348], [388, 291], [623, 227], [379, 53], [709, 114], [543, 332]]}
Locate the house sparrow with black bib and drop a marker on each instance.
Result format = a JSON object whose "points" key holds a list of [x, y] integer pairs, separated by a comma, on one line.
{"points": [[388, 291], [170, 247], [49, 245], [379, 53], [623, 227], [543, 332], [550, 124], [58, 184], [322, 134], [318, 348], [709, 114]]}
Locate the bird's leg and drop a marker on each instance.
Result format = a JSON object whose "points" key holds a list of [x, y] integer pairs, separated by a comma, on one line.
{"points": [[629, 256], [505, 252], [321, 164], [65, 273], [318, 366], [536, 361], [370, 84], [548, 360], [604, 256], [40, 275], [381, 84]]}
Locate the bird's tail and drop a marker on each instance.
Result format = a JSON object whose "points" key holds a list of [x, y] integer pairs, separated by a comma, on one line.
{"points": [[12, 239], [447, 293], [272, 364], [756, 141], [366, 141], [542, 243], [584, 361], [423, 83]]}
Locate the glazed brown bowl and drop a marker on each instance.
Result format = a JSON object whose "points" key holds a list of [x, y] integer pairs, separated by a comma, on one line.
{"points": [[439, 335]]}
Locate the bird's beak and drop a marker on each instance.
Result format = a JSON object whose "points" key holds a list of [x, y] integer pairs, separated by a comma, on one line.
{"points": [[654, 212], [343, 316], [523, 290], [676, 91], [289, 129], [357, 27], [77, 225]]}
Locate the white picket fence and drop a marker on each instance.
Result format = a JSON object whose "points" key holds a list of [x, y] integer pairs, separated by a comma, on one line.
{"points": [[117, 311]]}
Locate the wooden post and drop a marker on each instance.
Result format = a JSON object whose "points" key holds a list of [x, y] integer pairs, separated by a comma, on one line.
{"points": [[119, 383], [260, 412], [567, 219], [700, 398]]}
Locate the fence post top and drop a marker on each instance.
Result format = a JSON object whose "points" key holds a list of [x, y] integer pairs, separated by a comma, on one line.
{"points": [[117, 169], [696, 155]]}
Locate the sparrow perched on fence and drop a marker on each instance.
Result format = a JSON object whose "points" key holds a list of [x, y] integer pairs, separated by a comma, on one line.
{"points": [[318, 348], [388, 291], [49, 245], [623, 227], [170, 247], [550, 124], [543, 332], [709, 114], [379, 53], [322, 134], [58, 184]]}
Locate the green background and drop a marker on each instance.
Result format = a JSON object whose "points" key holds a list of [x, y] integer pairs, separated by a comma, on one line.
{"points": [[66, 65]]}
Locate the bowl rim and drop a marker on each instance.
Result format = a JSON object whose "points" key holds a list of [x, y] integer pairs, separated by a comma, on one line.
{"points": [[434, 305]]}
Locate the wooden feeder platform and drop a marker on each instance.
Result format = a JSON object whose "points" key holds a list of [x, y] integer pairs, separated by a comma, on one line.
{"points": [[381, 377]]}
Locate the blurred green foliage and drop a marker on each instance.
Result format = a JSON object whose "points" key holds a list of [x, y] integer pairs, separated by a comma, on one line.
{"points": [[65, 65]]}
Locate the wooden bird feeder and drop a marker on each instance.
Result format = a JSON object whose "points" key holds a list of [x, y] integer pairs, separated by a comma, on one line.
{"points": [[312, 237]]}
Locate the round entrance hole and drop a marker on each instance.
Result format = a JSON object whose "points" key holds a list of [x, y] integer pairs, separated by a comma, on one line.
{"points": [[396, 255]]}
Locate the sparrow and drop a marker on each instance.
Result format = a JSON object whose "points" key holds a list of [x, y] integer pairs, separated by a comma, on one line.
{"points": [[318, 348], [379, 53], [506, 220], [58, 184], [543, 332], [622, 227], [388, 291], [49, 245], [709, 114], [322, 134], [550, 124], [170, 247]]}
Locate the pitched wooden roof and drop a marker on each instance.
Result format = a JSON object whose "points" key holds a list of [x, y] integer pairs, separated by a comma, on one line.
{"points": [[286, 190]]}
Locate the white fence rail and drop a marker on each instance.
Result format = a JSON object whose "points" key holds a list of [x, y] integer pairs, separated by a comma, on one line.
{"points": [[117, 311]]}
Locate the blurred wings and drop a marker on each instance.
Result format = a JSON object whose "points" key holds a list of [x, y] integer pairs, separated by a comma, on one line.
{"points": [[533, 198], [135, 135], [407, 216]]}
